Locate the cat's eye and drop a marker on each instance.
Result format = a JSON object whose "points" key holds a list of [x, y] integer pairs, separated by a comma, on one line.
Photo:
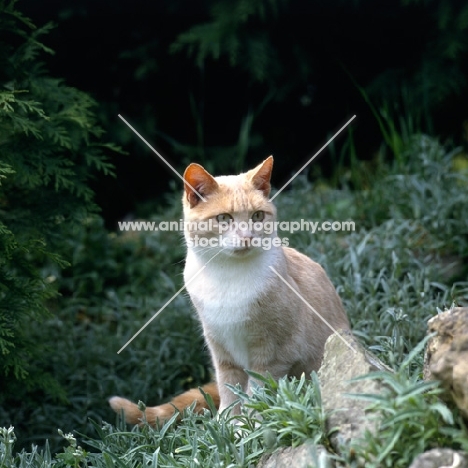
{"points": [[258, 216], [224, 218]]}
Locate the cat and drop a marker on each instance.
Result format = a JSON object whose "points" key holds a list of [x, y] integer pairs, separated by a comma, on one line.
{"points": [[251, 318]]}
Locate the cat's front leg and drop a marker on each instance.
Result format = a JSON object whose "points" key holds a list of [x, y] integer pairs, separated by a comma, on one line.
{"points": [[229, 373]]}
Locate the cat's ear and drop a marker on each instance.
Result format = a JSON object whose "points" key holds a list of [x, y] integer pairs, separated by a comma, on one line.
{"points": [[261, 175], [197, 178]]}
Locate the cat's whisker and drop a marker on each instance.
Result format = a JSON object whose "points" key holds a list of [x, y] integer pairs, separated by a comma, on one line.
{"points": [[207, 250]]}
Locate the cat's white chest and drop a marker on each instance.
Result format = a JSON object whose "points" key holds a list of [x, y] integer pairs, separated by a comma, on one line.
{"points": [[225, 295]]}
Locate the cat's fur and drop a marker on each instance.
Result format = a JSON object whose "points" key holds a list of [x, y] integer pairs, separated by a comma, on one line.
{"points": [[251, 319]]}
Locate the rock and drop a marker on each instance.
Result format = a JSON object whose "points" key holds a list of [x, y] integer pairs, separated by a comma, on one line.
{"points": [[440, 458], [307, 455], [344, 359], [446, 356]]}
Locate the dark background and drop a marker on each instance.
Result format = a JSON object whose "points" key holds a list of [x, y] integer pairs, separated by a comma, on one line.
{"points": [[302, 59]]}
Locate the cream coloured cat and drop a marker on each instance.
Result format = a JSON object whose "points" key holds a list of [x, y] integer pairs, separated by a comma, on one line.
{"points": [[239, 277]]}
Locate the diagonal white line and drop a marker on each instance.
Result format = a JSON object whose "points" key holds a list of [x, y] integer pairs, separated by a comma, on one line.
{"points": [[153, 317], [313, 157], [166, 304], [178, 175], [310, 307]]}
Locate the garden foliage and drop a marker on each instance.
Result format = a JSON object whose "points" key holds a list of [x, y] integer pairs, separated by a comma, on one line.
{"points": [[50, 146]]}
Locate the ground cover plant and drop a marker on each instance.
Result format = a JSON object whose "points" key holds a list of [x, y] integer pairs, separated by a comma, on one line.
{"points": [[393, 272]]}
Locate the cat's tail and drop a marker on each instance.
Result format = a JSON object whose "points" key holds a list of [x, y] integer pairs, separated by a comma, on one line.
{"points": [[161, 413]]}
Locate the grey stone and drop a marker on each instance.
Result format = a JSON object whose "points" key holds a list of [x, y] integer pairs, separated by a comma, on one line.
{"points": [[440, 458], [307, 455], [446, 356], [344, 359]]}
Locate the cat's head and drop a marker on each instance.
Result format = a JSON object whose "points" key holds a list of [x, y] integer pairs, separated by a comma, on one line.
{"points": [[235, 217]]}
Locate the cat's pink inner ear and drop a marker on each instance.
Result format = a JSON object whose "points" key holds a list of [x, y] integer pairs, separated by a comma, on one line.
{"points": [[262, 175], [197, 178]]}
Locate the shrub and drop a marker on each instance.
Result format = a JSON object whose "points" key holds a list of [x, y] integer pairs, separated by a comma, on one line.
{"points": [[49, 142]]}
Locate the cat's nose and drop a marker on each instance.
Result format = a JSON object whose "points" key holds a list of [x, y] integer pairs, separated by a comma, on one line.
{"points": [[245, 235], [245, 239]]}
